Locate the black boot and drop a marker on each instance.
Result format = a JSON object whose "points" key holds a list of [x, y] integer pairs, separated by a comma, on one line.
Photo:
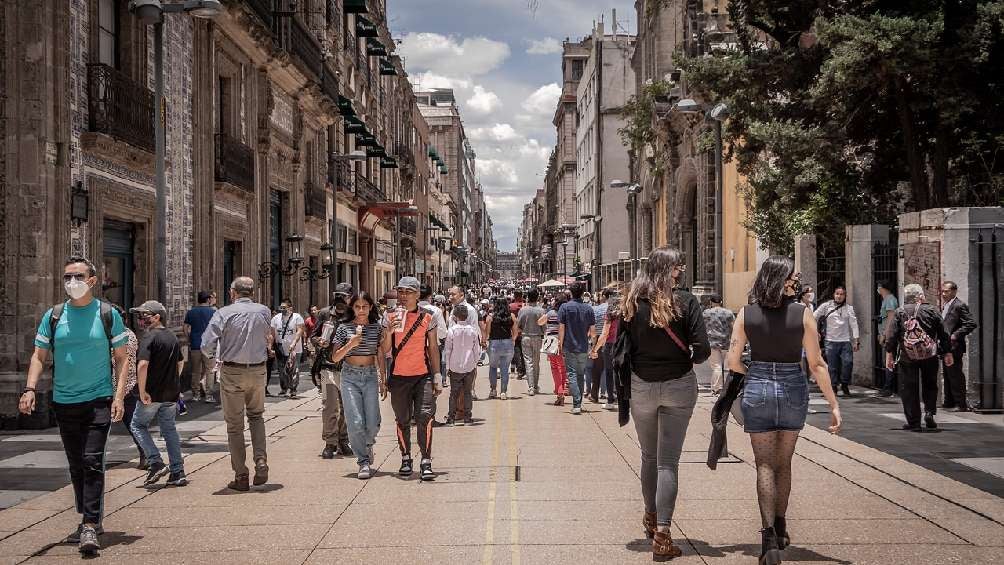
{"points": [[781, 529], [769, 552]]}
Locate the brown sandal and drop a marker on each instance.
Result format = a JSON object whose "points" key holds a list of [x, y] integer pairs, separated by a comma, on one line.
{"points": [[663, 548], [648, 522]]}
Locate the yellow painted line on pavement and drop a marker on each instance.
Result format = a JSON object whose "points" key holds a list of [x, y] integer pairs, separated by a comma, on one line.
{"points": [[489, 552], [513, 507]]}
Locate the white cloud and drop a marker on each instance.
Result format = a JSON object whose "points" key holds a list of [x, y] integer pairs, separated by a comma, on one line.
{"points": [[498, 132], [544, 100], [448, 55], [495, 172], [546, 46], [429, 79], [483, 101]]}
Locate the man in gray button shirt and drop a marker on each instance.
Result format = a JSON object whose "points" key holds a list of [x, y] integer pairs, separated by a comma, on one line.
{"points": [[240, 333], [533, 336]]}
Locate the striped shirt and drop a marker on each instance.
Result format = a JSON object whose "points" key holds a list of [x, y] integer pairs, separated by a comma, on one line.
{"points": [[368, 346], [552, 322]]}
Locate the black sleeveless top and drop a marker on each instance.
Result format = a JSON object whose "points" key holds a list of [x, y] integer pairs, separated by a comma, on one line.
{"points": [[501, 327], [775, 334]]}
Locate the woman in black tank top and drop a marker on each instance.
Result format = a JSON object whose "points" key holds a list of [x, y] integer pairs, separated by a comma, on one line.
{"points": [[776, 396], [501, 326]]}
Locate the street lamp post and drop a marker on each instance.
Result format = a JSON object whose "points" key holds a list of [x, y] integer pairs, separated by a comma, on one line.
{"points": [[632, 206], [151, 12]]}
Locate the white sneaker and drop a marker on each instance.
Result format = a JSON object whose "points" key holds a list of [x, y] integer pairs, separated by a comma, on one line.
{"points": [[576, 410], [364, 472], [608, 406], [503, 396], [530, 392]]}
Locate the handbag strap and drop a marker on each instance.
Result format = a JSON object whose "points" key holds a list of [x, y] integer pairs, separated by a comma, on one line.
{"points": [[676, 339]]}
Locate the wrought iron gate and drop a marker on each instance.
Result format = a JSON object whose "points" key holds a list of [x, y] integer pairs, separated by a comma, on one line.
{"points": [[987, 254], [885, 269]]}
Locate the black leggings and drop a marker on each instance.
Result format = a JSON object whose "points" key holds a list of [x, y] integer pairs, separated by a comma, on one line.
{"points": [[413, 396], [131, 398]]}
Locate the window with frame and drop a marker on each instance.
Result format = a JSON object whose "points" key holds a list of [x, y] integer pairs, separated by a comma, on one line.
{"points": [[108, 32]]}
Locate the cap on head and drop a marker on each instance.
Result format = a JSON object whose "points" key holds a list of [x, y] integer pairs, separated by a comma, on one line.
{"points": [[150, 307], [204, 296], [343, 289], [409, 283]]}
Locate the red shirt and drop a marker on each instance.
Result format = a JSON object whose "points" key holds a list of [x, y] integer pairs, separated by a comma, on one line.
{"points": [[515, 307], [309, 324]]}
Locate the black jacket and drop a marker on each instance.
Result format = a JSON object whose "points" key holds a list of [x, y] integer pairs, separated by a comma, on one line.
{"points": [[930, 321], [958, 324], [654, 354]]}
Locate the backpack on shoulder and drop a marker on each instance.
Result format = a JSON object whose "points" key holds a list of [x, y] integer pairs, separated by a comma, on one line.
{"points": [[918, 345]]}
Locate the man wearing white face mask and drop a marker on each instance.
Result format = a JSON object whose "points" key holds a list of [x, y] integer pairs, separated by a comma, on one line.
{"points": [[82, 334]]}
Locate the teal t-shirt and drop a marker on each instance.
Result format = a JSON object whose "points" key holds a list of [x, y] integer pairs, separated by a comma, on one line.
{"points": [[82, 361], [889, 303]]}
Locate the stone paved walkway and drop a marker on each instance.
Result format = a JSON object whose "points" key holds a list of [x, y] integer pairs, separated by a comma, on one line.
{"points": [[529, 483]]}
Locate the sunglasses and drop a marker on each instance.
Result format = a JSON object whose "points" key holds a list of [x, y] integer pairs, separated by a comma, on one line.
{"points": [[74, 277]]}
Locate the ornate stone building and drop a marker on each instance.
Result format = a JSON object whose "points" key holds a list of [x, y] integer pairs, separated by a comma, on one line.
{"points": [[678, 204], [263, 106]]}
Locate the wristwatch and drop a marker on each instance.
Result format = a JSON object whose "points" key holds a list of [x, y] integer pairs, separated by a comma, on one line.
{"points": [[28, 389]]}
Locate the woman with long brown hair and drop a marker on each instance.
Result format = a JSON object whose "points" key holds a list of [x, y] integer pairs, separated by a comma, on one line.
{"points": [[665, 336], [776, 395]]}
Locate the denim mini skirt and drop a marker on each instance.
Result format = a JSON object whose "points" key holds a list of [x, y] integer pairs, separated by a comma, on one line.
{"points": [[775, 398]]}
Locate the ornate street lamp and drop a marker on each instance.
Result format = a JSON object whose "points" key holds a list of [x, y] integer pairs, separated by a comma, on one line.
{"points": [[80, 203], [294, 244], [327, 265]]}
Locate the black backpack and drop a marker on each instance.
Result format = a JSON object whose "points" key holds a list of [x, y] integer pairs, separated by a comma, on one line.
{"points": [[57, 313]]}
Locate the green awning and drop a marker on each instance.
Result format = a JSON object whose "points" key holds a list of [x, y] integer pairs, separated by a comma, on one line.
{"points": [[376, 151], [374, 48], [432, 152], [435, 220], [387, 68], [365, 28], [355, 7], [444, 169], [388, 163], [345, 106], [366, 140]]}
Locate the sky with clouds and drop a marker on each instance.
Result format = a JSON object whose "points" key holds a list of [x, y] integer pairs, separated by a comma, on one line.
{"points": [[503, 59]]}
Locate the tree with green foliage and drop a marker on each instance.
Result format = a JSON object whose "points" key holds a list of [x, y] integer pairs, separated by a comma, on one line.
{"points": [[850, 111]]}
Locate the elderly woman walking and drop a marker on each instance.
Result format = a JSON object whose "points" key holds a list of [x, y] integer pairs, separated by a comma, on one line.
{"points": [[663, 337]]}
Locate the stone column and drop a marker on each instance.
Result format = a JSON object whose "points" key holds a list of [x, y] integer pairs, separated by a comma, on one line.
{"points": [[861, 294], [805, 259]]}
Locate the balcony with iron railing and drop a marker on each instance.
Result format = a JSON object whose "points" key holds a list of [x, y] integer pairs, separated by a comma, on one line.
{"points": [[234, 162], [329, 83], [303, 45], [407, 227], [120, 107], [368, 192], [341, 176], [315, 202]]}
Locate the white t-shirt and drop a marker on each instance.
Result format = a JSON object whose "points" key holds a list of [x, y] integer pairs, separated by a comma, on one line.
{"points": [[285, 331]]}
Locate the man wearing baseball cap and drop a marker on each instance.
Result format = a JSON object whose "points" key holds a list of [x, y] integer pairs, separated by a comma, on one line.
{"points": [[159, 384], [333, 430], [414, 379]]}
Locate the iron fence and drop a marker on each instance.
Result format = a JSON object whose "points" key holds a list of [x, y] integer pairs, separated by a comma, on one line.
{"points": [[304, 46], [120, 107], [830, 273], [234, 162], [407, 226], [341, 176]]}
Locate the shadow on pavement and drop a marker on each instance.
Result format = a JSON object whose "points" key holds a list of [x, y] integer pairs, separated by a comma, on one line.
{"points": [[792, 553], [271, 487]]}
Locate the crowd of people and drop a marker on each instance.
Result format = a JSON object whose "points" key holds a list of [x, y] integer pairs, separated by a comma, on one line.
{"points": [[631, 348]]}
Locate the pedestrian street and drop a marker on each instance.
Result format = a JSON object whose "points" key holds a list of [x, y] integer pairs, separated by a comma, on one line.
{"points": [[527, 483]]}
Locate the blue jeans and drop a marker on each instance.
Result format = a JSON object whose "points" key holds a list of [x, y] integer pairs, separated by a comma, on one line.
{"points": [[500, 352], [775, 397], [361, 406], [165, 413], [575, 365], [840, 358]]}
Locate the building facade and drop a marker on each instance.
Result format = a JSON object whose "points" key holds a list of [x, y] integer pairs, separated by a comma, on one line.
{"points": [[296, 153], [607, 83]]}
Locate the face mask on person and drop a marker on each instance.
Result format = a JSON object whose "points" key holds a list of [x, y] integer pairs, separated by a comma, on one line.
{"points": [[810, 297], [76, 289]]}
